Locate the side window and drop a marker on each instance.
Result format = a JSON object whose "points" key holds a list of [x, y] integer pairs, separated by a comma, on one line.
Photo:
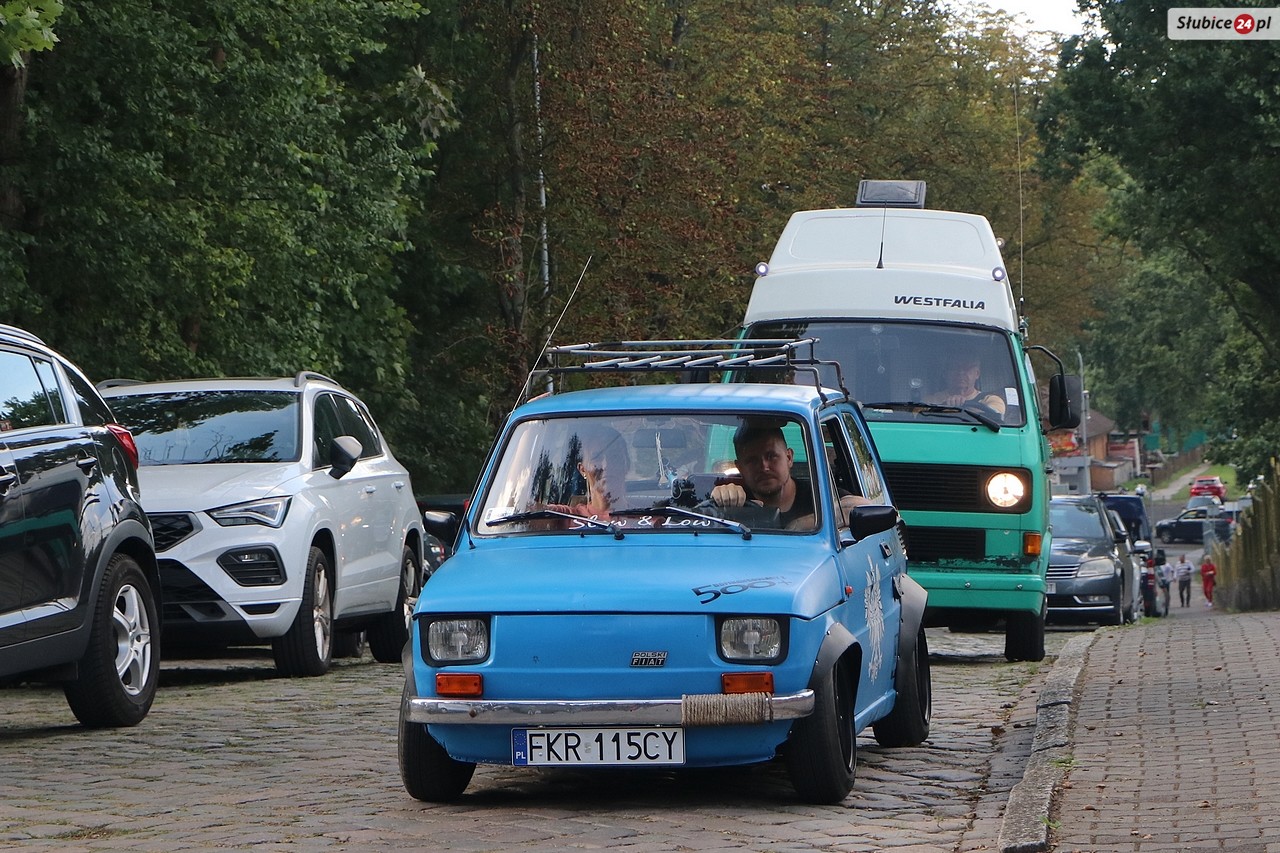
{"points": [[92, 409], [24, 402], [327, 427], [356, 423], [844, 476], [873, 487]]}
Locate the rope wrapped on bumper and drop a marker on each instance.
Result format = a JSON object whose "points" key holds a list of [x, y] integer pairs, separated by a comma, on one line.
{"points": [[718, 709]]}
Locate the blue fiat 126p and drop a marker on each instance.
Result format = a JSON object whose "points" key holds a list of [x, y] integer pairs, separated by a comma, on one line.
{"points": [[683, 575]]}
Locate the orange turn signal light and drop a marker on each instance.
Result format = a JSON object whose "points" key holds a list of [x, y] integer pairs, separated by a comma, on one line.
{"points": [[746, 682], [458, 684], [1031, 544]]}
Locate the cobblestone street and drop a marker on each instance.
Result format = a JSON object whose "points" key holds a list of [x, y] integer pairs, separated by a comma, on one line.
{"points": [[232, 756]]}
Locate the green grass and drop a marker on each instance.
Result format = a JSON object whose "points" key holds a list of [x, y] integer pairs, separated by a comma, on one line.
{"points": [[1226, 472]]}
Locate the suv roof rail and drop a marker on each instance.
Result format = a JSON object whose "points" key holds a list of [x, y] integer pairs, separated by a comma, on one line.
{"points": [[304, 375], [16, 332], [118, 383], [722, 354]]}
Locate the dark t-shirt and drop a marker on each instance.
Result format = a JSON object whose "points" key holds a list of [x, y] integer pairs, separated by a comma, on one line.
{"points": [[800, 507]]}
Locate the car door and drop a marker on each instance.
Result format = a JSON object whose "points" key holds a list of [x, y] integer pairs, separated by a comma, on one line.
{"points": [[12, 622], [867, 566], [55, 465]]}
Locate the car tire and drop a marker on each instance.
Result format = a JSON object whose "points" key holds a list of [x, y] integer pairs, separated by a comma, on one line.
{"points": [[349, 644], [1166, 536], [428, 772], [822, 751], [388, 635], [908, 722], [120, 669], [306, 649], [1024, 637]]}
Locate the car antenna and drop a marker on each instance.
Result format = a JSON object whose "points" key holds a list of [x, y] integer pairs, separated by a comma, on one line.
{"points": [[528, 382]]}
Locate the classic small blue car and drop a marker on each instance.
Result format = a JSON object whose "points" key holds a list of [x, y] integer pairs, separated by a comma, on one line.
{"points": [[682, 575]]}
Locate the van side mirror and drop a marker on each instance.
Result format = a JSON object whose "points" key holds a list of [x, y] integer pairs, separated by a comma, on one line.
{"points": [[1066, 401]]}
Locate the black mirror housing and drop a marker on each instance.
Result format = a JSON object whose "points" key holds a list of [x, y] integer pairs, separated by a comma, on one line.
{"points": [[1066, 401]]}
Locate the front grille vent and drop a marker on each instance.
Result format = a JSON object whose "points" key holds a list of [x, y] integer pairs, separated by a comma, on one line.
{"points": [[936, 544], [170, 528], [946, 488]]}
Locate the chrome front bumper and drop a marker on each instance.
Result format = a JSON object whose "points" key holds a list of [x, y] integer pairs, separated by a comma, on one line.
{"points": [[710, 709]]}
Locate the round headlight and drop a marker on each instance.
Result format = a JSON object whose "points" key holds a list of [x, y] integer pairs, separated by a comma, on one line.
{"points": [[1006, 490]]}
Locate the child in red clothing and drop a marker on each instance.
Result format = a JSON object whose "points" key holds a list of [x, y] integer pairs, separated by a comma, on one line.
{"points": [[1208, 575]]}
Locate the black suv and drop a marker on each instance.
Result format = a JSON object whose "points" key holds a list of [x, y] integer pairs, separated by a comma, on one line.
{"points": [[77, 561]]}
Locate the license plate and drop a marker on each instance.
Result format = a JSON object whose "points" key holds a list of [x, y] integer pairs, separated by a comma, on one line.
{"points": [[1050, 587], [597, 747]]}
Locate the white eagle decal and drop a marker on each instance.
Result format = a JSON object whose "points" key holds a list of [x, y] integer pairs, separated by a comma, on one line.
{"points": [[875, 619]]}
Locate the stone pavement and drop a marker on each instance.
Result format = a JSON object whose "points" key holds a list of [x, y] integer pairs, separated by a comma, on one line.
{"points": [[1171, 743]]}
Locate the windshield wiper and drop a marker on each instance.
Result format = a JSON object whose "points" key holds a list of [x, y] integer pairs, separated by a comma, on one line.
{"points": [[671, 509], [555, 513], [931, 409]]}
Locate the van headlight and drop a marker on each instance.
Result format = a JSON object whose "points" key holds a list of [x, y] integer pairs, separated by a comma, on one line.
{"points": [[1006, 489], [751, 638], [457, 640]]}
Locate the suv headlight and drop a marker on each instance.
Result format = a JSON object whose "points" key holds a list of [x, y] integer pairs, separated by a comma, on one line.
{"points": [[753, 638], [269, 512], [1096, 569], [457, 640]]}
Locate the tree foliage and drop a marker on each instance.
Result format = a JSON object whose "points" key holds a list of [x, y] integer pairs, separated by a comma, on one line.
{"points": [[363, 187], [1191, 124]]}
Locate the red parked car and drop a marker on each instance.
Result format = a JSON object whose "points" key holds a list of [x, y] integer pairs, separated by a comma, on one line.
{"points": [[1209, 486]]}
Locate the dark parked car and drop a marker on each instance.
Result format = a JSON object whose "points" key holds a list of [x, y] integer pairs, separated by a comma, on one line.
{"points": [[77, 560], [1132, 509], [1189, 525], [1092, 573]]}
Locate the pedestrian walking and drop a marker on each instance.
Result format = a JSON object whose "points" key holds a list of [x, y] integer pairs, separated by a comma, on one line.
{"points": [[1208, 577], [1182, 572]]}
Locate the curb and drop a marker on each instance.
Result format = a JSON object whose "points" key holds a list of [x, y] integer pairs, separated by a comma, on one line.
{"points": [[1025, 825]]}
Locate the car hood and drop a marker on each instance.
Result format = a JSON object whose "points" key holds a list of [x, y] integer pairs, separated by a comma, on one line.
{"points": [[183, 488], [705, 574], [1068, 552]]}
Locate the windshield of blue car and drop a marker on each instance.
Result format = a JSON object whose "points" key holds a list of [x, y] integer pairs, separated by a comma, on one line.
{"points": [[914, 371], [201, 427], [642, 473]]}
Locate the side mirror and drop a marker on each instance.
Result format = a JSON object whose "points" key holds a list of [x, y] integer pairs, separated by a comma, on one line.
{"points": [[869, 520], [441, 524], [343, 454], [1066, 401]]}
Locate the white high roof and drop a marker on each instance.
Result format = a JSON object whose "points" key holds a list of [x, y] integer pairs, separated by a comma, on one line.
{"points": [[886, 262]]}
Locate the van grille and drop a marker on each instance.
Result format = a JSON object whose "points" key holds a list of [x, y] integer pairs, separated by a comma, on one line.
{"points": [[935, 544], [946, 488]]}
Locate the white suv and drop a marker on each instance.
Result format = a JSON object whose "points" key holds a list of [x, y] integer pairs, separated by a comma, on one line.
{"points": [[279, 514]]}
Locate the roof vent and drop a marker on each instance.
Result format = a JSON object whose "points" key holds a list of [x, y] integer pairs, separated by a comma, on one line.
{"points": [[891, 194]]}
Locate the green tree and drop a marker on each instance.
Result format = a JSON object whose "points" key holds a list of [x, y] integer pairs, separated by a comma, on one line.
{"points": [[211, 188], [1191, 124]]}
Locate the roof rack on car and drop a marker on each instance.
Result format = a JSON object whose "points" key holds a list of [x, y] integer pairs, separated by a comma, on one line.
{"points": [[15, 332], [304, 375], [718, 354], [117, 383]]}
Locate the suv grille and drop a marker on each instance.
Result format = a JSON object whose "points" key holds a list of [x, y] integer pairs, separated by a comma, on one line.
{"points": [[944, 488], [170, 528]]}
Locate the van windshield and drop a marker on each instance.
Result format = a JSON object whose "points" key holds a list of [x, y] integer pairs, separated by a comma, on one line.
{"points": [[911, 371]]}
